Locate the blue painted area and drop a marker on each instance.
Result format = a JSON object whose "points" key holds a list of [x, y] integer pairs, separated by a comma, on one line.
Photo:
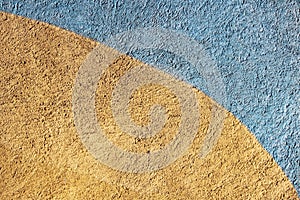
{"points": [[255, 45]]}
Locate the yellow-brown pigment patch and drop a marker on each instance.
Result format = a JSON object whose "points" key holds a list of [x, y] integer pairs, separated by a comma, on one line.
{"points": [[139, 108], [42, 156]]}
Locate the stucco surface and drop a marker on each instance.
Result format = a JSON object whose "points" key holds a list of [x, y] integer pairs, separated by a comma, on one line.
{"points": [[44, 158], [255, 45]]}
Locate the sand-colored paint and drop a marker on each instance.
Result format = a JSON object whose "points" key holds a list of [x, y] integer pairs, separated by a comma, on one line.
{"points": [[145, 98], [42, 156]]}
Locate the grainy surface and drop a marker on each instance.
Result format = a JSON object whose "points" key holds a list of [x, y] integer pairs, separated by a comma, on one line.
{"points": [[255, 45], [43, 157]]}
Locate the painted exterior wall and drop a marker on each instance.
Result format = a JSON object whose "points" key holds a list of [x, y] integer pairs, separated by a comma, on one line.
{"points": [[254, 47]]}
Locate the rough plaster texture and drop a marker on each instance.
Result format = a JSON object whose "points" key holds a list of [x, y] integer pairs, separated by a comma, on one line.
{"points": [[255, 45], [42, 156]]}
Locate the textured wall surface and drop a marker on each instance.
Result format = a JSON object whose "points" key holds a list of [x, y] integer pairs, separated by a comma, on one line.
{"points": [[255, 47], [44, 157]]}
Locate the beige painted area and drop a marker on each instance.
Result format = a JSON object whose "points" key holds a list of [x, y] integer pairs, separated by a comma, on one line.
{"points": [[42, 156]]}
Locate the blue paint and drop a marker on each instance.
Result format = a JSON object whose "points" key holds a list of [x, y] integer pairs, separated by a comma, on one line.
{"points": [[255, 45]]}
